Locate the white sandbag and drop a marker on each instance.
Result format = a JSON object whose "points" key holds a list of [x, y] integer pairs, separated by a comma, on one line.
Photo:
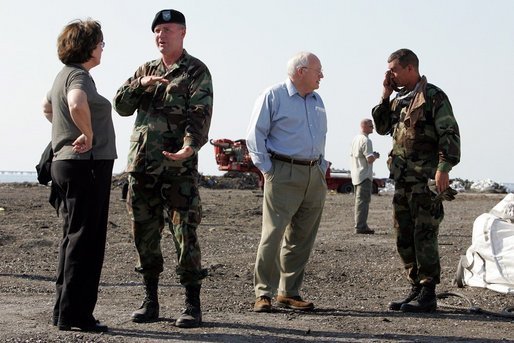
{"points": [[505, 208], [489, 261]]}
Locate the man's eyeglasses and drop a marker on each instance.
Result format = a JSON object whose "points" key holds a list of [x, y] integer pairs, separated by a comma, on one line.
{"points": [[319, 71], [102, 44]]}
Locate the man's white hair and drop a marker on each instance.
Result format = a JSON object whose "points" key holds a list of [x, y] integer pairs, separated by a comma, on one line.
{"points": [[299, 60]]}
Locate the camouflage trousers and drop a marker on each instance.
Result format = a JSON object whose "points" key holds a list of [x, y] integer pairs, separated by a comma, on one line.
{"points": [[150, 198], [417, 216]]}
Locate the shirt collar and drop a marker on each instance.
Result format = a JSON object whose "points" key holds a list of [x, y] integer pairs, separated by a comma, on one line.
{"points": [[291, 89], [182, 60]]}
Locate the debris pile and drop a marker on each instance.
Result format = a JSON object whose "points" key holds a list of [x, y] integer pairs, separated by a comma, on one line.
{"points": [[239, 180], [230, 180]]}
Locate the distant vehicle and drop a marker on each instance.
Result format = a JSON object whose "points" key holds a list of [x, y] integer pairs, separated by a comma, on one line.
{"points": [[341, 181], [233, 156]]}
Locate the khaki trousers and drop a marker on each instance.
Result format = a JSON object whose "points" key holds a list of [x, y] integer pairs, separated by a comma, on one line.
{"points": [[294, 196], [362, 200]]}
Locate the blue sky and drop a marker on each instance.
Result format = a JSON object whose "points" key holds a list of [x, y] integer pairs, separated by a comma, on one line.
{"points": [[465, 47]]}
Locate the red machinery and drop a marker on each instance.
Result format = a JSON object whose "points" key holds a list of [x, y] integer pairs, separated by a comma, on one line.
{"points": [[233, 156]]}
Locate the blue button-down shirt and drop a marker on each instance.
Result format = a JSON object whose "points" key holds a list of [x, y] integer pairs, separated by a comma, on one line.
{"points": [[288, 124]]}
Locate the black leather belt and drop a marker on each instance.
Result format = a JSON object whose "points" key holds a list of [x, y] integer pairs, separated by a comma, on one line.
{"points": [[289, 159]]}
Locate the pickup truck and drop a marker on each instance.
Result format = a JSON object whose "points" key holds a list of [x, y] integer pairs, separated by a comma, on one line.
{"points": [[341, 181]]}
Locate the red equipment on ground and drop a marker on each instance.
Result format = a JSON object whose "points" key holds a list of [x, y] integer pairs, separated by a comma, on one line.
{"points": [[233, 156]]}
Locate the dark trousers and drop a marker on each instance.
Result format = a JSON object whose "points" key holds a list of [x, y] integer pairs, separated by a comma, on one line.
{"points": [[84, 186]]}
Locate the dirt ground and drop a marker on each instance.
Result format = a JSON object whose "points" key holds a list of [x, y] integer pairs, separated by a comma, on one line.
{"points": [[350, 278]]}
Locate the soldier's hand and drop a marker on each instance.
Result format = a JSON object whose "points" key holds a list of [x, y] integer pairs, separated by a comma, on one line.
{"points": [[442, 181], [448, 194], [388, 87], [182, 154], [152, 80]]}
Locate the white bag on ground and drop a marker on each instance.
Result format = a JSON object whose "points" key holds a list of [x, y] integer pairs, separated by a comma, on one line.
{"points": [[489, 261]]}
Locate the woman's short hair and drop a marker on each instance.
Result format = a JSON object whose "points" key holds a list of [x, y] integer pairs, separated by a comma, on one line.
{"points": [[77, 41], [299, 60]]}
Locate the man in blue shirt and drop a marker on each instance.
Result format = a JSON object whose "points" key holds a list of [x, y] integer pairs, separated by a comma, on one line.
{"points": [[286, 141]]}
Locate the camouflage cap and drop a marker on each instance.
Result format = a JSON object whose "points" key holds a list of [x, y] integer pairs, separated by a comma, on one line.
{"points": [[168, 16]]}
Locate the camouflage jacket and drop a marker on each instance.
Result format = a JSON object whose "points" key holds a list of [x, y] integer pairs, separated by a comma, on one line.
{"points": [[425, 134], [169, 117]]}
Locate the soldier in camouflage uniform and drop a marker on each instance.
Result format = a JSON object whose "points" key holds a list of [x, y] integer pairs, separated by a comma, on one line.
{"points": [[173, 98], [426, 145]]}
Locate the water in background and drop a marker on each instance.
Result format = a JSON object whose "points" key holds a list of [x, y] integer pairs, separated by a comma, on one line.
{"points": [[17, 176]]}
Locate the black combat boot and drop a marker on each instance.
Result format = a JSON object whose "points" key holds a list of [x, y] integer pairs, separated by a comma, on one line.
{"points": [[149, 310], [191, 317], [414, 292], [425, 302]]}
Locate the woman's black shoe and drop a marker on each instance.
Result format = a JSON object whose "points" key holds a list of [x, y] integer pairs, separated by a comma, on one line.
{"points": [[93, 327]]}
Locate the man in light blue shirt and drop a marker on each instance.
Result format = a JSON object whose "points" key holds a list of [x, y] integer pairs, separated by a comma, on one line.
{"points": [[286, 141]]}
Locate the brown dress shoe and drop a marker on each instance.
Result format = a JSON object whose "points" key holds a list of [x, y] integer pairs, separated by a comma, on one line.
{"points": [[295, 303], [262, 304]]}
